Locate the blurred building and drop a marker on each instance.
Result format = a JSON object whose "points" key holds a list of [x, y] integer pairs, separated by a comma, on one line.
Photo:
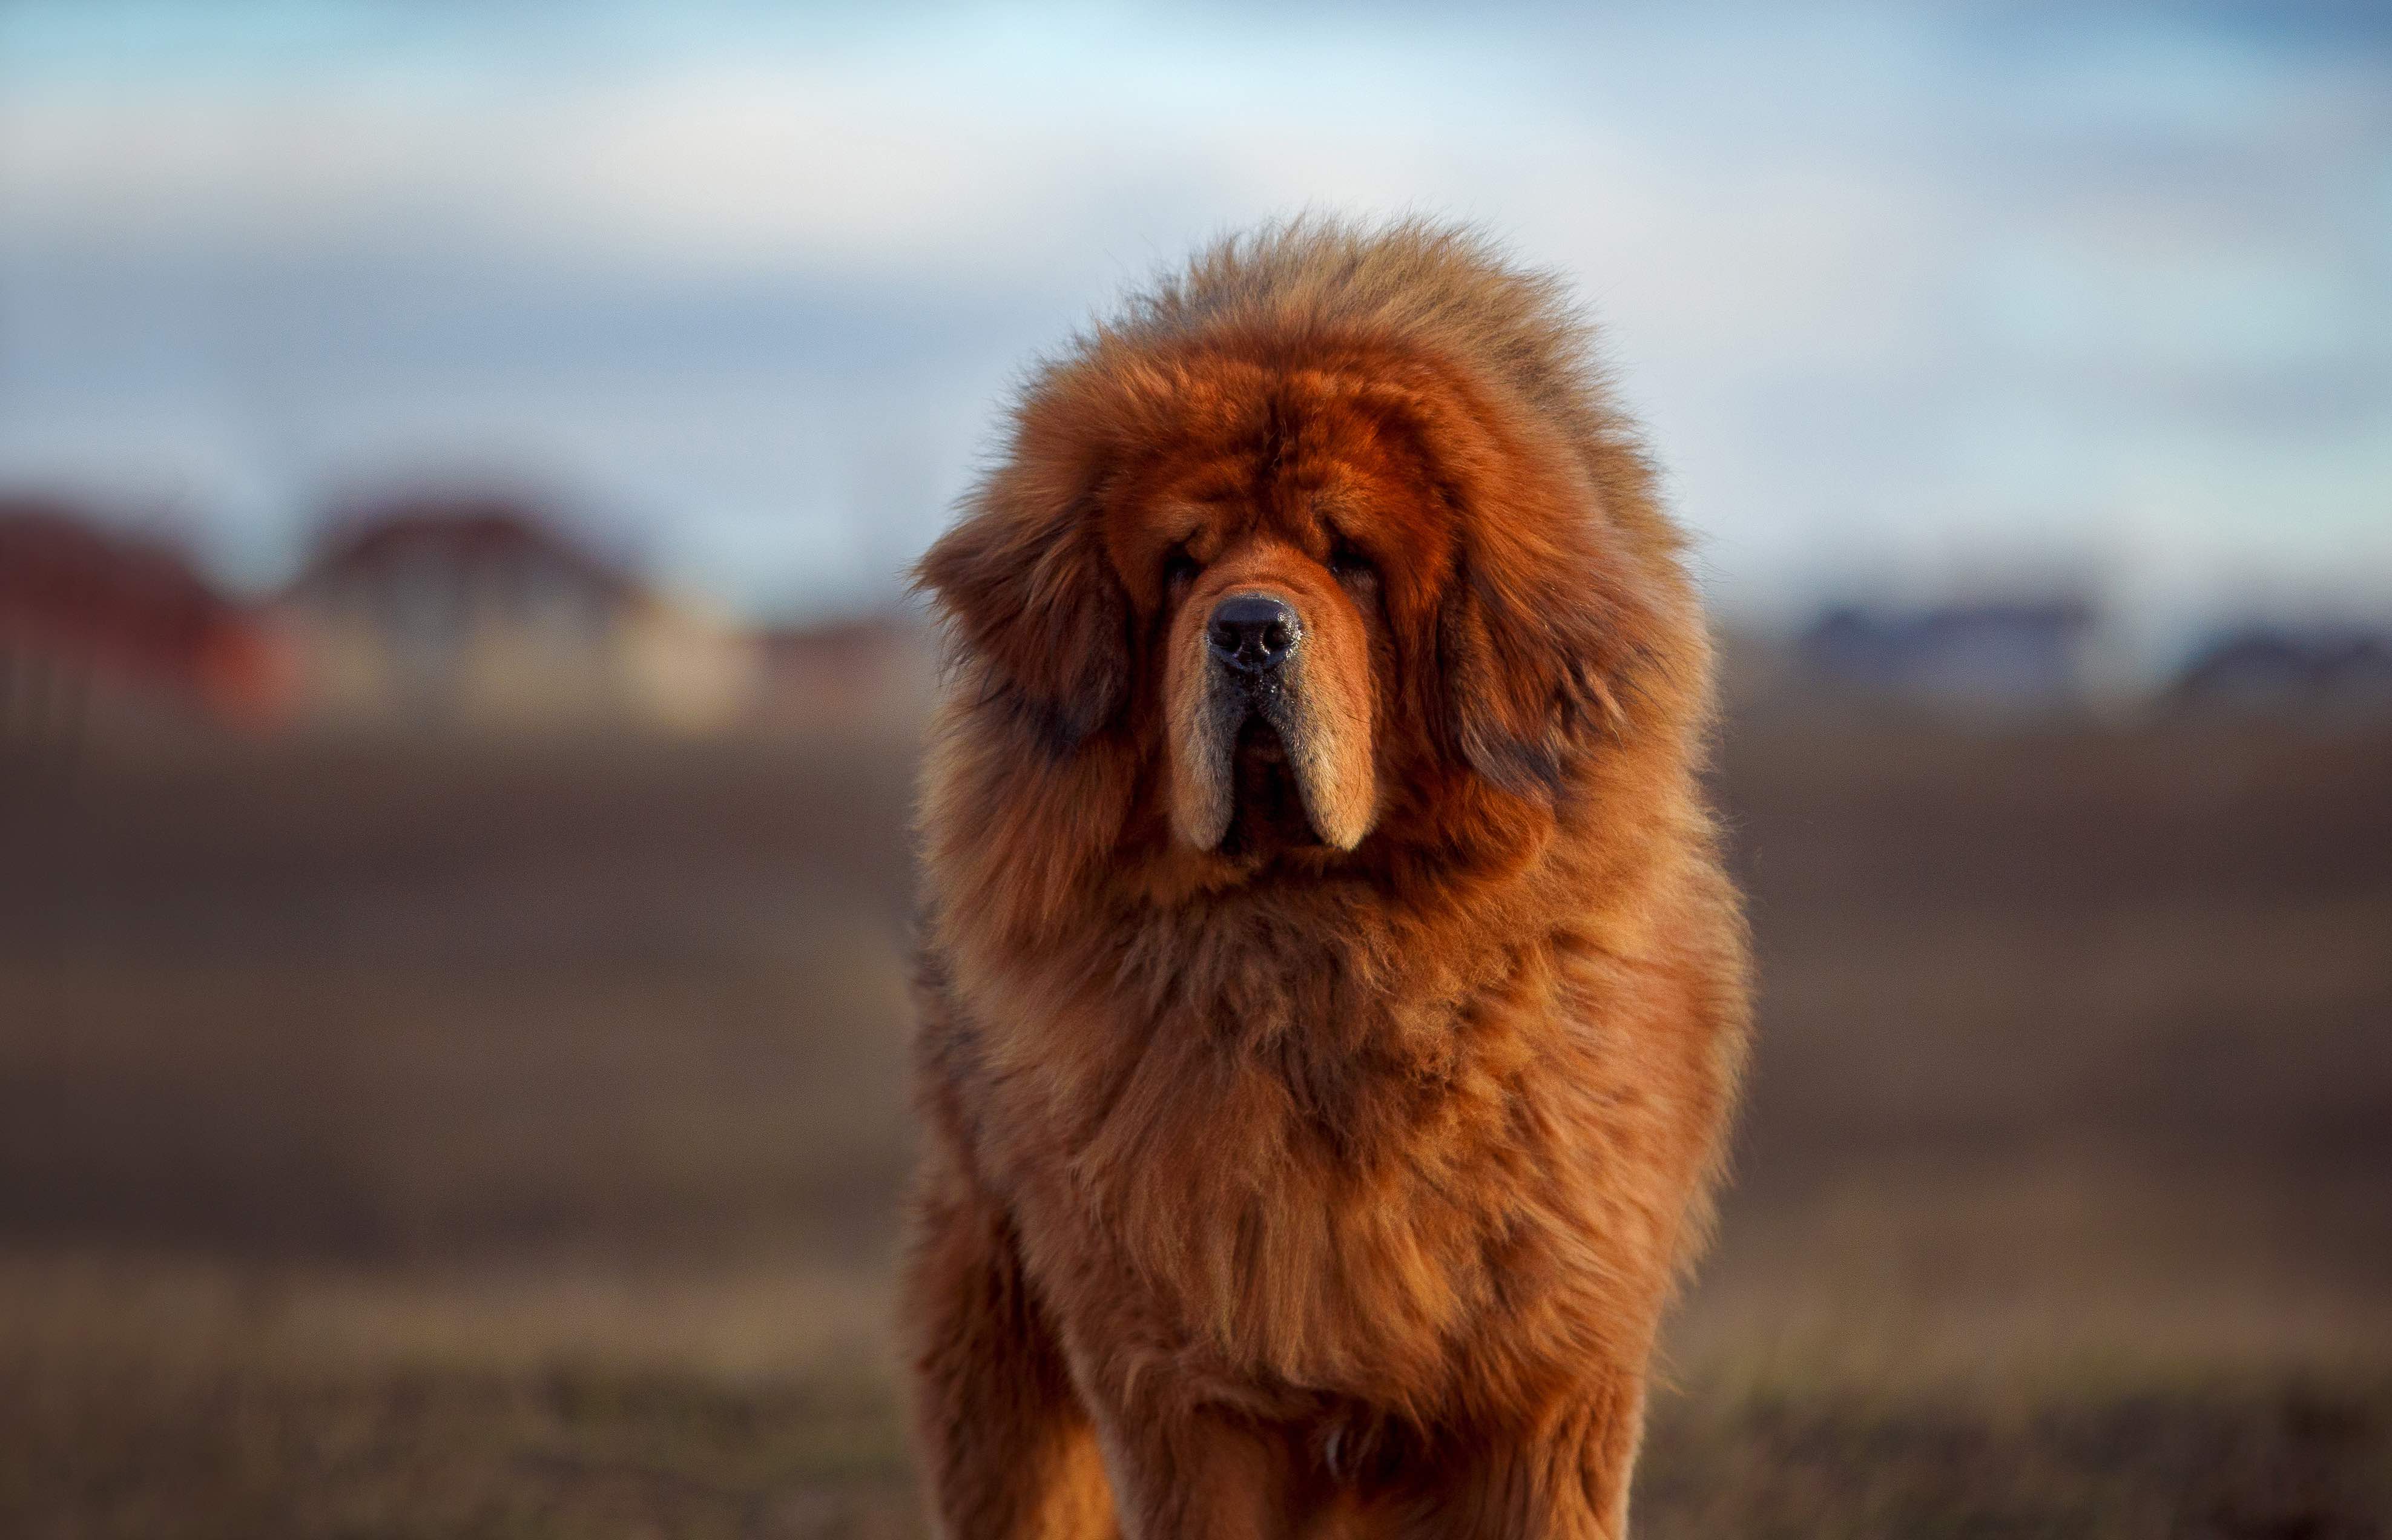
{"points": [[874, 671], [2290, 668], [98, 625], [478, 612], [1997, 656]]}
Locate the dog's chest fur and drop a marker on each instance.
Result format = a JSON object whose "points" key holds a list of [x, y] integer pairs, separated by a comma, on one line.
{"points": [[1330, 1195]]}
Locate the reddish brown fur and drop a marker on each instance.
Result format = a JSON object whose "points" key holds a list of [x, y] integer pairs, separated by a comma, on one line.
{"points": [[1288, 1189]]}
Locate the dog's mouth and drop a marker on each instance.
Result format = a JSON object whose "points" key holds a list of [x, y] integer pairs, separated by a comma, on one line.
{"points": [[1264, 766], [1267, 807]]}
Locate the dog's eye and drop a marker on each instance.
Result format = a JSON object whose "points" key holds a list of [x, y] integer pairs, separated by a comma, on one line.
{"points": [[1346, 562], [1178, 567]]}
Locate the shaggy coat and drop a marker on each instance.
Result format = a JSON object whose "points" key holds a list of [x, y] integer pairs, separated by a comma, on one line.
{"points": [[1329, 1025]]}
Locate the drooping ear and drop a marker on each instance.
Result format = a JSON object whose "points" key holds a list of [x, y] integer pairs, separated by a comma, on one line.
{"points": [[1529, 682], [1025, 584], [1552, 629]]}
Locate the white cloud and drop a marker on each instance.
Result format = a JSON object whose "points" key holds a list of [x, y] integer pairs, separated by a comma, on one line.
{"points": [[1875, 279]]}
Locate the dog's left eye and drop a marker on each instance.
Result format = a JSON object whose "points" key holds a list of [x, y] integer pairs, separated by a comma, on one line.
{"points": [[1348, 563]]}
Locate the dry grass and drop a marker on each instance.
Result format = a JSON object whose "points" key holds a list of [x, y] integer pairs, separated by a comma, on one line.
{"points": [[415, 1141], [141, 1398]]}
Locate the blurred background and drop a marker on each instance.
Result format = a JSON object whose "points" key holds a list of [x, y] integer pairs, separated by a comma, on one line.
{"points": [[458, 704]]}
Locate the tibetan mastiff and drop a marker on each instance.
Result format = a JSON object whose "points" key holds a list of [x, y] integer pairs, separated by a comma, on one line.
{"points": [[1332, 996]]}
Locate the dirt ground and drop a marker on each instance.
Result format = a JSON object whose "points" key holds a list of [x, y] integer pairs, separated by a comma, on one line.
{"points": [[424, 1139]]}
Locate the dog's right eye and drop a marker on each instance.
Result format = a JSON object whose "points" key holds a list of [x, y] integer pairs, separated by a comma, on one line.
{"points": [[1178, 568]]}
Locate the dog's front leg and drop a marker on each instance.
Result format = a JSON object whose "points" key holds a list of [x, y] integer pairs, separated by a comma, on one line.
{"points": [[1200, 1474], [1563, 1475], [1008, 1453]]}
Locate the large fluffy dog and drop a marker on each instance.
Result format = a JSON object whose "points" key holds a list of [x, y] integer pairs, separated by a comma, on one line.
{"points": [[1333, 1001]]}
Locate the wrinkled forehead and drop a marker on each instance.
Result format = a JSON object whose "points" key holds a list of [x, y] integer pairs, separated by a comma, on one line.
{"points": [[1306, 458]]}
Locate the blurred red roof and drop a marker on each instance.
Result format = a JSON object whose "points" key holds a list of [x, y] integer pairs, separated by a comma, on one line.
{"points": [[458, 531], [126, 609]]}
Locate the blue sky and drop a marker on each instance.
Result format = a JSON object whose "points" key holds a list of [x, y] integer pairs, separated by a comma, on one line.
{"points": [[1920, 297]]}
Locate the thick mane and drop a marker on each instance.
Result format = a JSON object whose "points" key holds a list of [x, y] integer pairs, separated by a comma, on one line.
{"points": [[1441, 288], [1445, 290]]}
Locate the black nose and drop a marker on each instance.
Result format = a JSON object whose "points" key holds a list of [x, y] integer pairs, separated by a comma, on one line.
{"points": [[1252, 632]]}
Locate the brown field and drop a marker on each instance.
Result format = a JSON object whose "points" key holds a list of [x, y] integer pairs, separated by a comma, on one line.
{"points": [[417, 1139]]}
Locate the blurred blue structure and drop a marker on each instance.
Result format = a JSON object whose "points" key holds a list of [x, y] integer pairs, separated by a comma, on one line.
{"points": [[2333, 670], [2003, 656]]}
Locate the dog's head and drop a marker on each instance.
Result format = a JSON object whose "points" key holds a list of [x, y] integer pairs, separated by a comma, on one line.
{"points": [[1318, 590]]}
